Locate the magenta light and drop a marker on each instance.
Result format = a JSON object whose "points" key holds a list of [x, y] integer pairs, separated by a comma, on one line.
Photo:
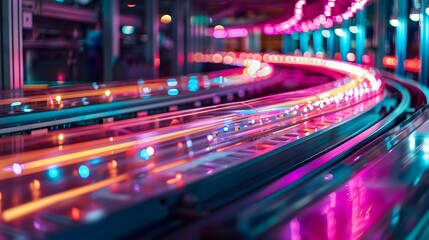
{"points": [[295, 24], [230, 33]]}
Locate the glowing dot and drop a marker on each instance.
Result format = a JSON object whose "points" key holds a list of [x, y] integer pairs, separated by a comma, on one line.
{"points": [[150, 151], [394, 22], [166, 19], [339, 32], [14, 104], [53, 173], [217, 58], [58, 98], [144, 154], [36, 184], [131, 5], [326, 33], [189, 143], [209, 138], [366, 59], [219, 27], [61, 136], [354, 29], [75, 213], [351, 57], [171, 82], [225, 129], [16, 168], [114, 163], [173, 92], [128, 30], [83, 171], [107, 92], [111, 139]]}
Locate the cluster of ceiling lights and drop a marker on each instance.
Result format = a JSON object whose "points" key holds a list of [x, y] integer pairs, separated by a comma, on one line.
{"points": [[295, 23], [288, 24], [326, 20]]}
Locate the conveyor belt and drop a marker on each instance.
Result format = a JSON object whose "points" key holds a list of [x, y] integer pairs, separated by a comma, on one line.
{"points": [[170, 170]]}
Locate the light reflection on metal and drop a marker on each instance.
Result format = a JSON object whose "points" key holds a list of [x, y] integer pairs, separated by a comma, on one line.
{"points": [[295, 229]]}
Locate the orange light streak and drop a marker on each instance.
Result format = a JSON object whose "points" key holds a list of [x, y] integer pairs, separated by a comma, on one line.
{"points": [[30, 207]]}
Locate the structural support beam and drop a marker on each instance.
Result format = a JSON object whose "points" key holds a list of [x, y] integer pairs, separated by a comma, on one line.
{"points": [[254, 40], [288, 44], [318, 41], [345, 40], [179, 22], [381, 8], [401, 36], [424, 44], [11, 57], [330, 43], [110, 12], [303, 42], [188, 36], [360, 35], [152, 30]]}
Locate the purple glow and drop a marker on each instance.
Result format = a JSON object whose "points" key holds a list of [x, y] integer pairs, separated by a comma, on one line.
{"points": [[230, 33], [209, 138], [16, 168]]}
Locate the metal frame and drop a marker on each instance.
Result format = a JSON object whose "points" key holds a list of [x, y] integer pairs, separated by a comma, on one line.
{"points": [[11, 63]]}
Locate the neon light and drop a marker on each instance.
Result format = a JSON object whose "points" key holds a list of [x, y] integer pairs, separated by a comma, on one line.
{"points": [[171, 82], [107, 92], [166, 19], [394, 22], [15, 104], [128, 30], [144, 154], [415, 17], [16, 168], [209, 138], [225, 129], [173, 92], [53, 172], [354, 29], [83, 171], [150, 151]]}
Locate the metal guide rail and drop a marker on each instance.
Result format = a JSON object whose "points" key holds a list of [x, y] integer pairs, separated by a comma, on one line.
{"points": [[372, 186], [99, 103]]}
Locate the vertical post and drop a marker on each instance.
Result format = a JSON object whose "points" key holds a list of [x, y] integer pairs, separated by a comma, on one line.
{"points": [[254, 40], [424, 46], [318, 41], [303, 42], [401, 36], [345, 40], [152, 30], [288, 44], [178, 26], [194, 36], [188, 54], [330, 42], [360, 35], [11, 57], [110, 12], [380, 31]]}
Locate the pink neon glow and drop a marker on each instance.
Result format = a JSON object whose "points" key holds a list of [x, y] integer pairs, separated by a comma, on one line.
{"points": [[230, 33], [325, 20], [288, 24], [295, 23]]}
